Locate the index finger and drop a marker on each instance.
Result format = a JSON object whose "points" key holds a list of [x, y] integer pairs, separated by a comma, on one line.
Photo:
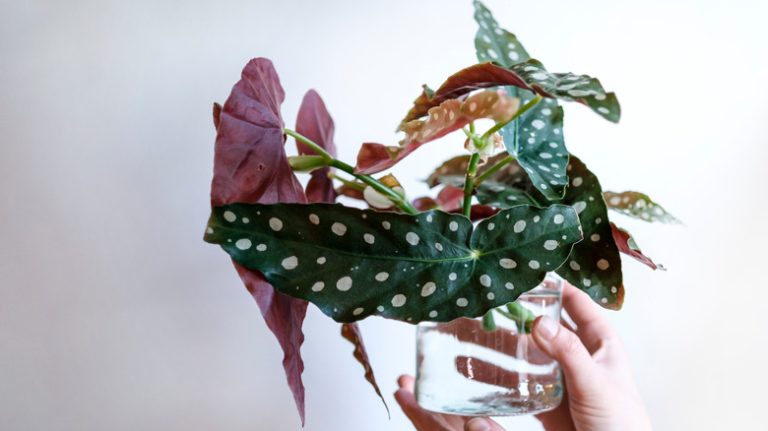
{"points": [[591, 325]]}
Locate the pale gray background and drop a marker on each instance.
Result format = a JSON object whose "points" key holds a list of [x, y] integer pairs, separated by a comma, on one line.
{"points": [[114, 315]]}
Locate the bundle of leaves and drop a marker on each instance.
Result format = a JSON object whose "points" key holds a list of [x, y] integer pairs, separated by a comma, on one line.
{"points": [[515, 206]]}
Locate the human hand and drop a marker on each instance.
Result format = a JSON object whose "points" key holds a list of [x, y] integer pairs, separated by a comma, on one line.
{"points": [[601, 394]]}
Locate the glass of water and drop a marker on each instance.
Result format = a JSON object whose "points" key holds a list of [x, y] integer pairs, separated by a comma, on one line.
{"points": [[465, 368]]}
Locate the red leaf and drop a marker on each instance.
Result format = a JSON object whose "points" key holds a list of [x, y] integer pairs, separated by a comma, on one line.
{"points": [[627, 245], [314, 122], [351, 332], [284, 316], [481, 75], [425, 203], [450, 198], [449, 116], [216, 115], [250, 166]]}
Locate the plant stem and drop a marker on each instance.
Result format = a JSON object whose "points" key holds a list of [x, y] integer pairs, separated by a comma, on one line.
{"points": [[310, 143], [493, 169], [469, 183], [395, 197], [519, 112], [489, 323], [346, 182], [522, 316]]}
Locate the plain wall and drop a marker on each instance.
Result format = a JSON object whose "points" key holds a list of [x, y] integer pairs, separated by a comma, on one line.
{"points": [[115, 315]]}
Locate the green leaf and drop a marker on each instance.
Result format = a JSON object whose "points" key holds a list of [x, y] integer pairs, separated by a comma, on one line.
{"points": [[569, 87], [638, 205], [435, 266], [594, 265], [535, 139], [493, 43]]}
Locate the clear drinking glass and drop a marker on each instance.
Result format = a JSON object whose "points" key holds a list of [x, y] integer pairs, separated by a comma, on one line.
{"points": [[465, 369]]}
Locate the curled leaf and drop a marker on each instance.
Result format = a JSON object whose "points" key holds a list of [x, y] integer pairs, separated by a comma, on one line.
{"points": [[638, 205], [314, 122], [378, 200], [442, 119], [628, 246], [250, 165], [528, 75], [351, 332], [434, 266]]}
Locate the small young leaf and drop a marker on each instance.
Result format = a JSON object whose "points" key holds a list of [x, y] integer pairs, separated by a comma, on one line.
{"points": [[594, 265], [628, 246], [638, 205], [528, 75], [354, 263], [314, 122], [250, 165], [449, 116]]}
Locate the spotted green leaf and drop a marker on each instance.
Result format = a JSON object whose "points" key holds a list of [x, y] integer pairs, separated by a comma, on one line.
{"points": [[354, 263], [535, 139], [493, 43], [638, 205], [569, 87], [594, 265]]}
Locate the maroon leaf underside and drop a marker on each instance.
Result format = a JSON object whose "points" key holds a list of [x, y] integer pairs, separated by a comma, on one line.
{"points": [[483, 75], [446, 117], [621, 237], [315, 122], [352, 333], [250, 166]]}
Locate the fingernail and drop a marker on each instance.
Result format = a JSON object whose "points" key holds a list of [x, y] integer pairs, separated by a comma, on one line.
{"points": [[547, 328], [478, 424]]}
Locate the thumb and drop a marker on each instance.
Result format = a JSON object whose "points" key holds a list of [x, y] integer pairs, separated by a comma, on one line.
{"points": [[566, 347], [482, 424]]}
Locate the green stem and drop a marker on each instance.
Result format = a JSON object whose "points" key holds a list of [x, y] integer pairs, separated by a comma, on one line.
{"points": [[469, 183], [519, 112], [493, 169], [522, 316], [395, 197], [346, 182], [489, 323], [310, 143]]}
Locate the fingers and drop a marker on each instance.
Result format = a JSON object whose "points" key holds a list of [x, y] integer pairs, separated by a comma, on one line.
{"points": [[482, 424], [558, 419], [421, 419], [563, 345], [592, 326]]}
